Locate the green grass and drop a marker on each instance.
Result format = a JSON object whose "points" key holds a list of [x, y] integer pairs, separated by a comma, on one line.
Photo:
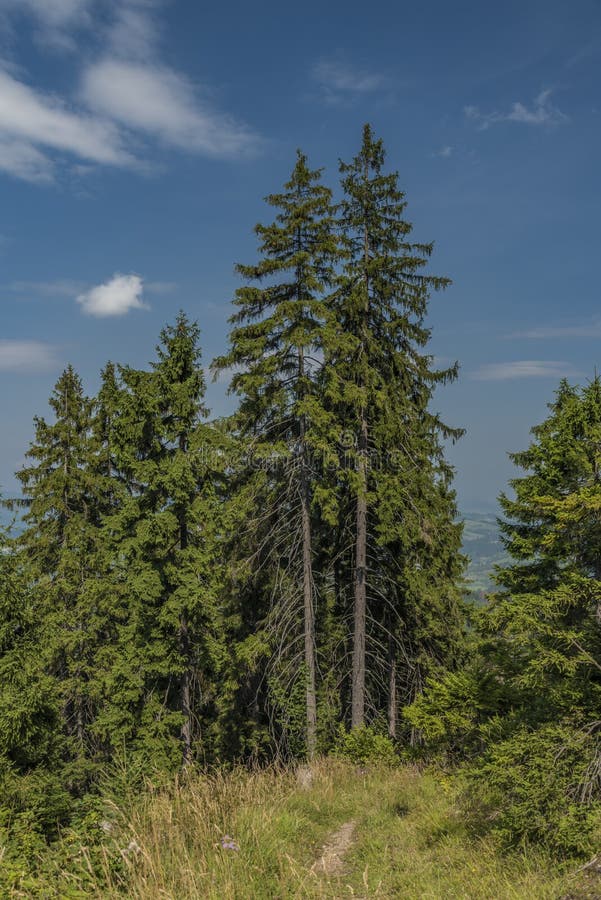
{"points": [[410, 842]]}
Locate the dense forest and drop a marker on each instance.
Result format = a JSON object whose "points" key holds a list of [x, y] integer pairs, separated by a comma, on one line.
{"points": [[286, 582]]}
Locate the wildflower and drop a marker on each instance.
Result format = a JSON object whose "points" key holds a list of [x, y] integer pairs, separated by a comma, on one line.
{"points": [[229, 843], [132, 847]]}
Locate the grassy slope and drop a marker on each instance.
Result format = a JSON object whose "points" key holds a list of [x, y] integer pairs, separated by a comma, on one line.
{"points": [[409, 842]]}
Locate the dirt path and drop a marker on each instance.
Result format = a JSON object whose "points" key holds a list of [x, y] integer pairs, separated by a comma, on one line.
{"points": [[331, 861]]}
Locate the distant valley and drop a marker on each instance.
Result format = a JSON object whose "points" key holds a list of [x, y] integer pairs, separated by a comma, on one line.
{"points": [[482, 544]]}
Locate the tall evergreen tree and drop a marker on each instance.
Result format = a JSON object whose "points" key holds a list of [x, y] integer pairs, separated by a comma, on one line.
{"points": [[32, 743], [276, 345], [380, 381], [106, 412], [548, 609], [527, 704], [165, 536], [61, 543]]}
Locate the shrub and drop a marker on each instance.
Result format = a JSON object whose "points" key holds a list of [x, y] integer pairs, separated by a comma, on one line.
{"points": [[365, 745], [540, 785]]}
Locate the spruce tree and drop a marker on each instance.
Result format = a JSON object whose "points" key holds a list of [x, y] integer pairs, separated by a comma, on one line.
{"points": [[106, 412], [548, 609], [32, 742], [165, 534], [527, 703], [276, 348], [380, 383], [61, 543]]}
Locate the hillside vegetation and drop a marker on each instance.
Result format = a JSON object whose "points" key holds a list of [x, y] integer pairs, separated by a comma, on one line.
{"points": [[190, 593], [334, 829]]}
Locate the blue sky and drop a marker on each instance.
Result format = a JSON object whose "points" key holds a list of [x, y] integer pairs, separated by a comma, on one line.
{"points": [[138, 138]]}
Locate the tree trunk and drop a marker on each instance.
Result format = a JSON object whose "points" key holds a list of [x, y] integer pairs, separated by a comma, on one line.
{"points": [[309, 612], [392, 693], [186, 694], [184, 643], [80, 725], [360, 610]]}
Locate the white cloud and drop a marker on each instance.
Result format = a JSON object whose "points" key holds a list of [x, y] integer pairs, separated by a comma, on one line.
{"points": [[55, 19], [590, 330], [541, 112], [162, 102], [115, 297], [67, 287], [134, 31], [128, 27], [126, 93], [584, 53], [23, 160], [51, 12], [62, 287], [342, 77], [444, 152], [339, 81], [29, 119], [527, 368], [160, 287], [23, 357]]}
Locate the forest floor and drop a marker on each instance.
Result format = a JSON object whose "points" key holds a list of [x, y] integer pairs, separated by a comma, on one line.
{"points": [[335, 830]]}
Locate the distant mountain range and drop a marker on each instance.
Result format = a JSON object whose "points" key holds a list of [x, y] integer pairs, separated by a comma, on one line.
{"points": [[482, 544]]}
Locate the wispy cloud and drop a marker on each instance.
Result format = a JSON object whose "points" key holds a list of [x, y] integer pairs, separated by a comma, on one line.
{"points": [[540, 112], [526, 368], [160, 287], [583, 330], [55, 13], [585, 52], [55, 19], [125, 94], [24, 357], [134, 31], [338, 81], [444, 152], [24, 161], [130, 86], [156, 100], [62, 287], [30, 120], [69, 288], [115, 297]]}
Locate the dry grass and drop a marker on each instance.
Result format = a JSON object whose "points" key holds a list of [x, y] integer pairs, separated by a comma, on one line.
{"points": [[408, 842]]}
